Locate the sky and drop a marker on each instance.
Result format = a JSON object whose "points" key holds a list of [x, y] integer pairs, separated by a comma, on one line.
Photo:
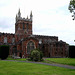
{"points": [[50, 17]]}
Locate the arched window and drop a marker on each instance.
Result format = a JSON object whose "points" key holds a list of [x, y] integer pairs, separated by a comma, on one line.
{"points": [[13, 40], [30, 46], [5, 39]]}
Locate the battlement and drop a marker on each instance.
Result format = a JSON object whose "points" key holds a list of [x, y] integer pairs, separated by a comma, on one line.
{"points": [[6, 34]]}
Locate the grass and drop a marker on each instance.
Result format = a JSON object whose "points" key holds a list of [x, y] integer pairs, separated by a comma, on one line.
{"points": [[22, 68], [21, 59], [66, 61]]}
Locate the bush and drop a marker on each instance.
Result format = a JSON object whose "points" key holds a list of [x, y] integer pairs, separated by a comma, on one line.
{"points": [[36, 55], [4, 51]]}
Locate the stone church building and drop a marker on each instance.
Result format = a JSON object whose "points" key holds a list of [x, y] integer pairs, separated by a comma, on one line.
{"points": [[23, 41]]}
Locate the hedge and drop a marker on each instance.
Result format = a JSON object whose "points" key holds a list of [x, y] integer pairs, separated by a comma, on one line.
{"points": [[4, 51]]}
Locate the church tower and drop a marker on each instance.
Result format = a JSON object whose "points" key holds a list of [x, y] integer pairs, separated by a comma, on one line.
{"points": [[23, 26]]}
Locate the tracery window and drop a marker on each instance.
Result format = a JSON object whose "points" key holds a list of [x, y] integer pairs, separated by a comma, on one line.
{"points": [[30, 46]]}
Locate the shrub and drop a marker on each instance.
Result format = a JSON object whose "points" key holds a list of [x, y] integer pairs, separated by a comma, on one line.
{"points": [[36, 55], [4, 51]]}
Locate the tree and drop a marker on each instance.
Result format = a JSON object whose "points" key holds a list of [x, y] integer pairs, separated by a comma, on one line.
{"points": [[72, 8], [36, 55]]}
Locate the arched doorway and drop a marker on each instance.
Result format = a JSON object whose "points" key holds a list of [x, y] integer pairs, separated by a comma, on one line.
{"points": [[49, 54], [30, 46], [20, 55]]}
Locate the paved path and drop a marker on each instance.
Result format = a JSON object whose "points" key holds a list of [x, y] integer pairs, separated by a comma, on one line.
{"points": [[50, 64]]}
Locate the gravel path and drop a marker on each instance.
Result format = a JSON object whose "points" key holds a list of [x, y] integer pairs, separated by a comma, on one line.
{"points": [[50, 64]]}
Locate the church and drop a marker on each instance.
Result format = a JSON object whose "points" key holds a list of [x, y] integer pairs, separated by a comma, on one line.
{"points": [[23, 40]]}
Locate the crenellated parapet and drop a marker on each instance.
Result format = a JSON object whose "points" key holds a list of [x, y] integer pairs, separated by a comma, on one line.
{"points": [[7, 38]]}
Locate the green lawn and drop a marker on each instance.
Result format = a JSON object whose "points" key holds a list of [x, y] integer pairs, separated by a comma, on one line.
{"points": [[66, 61], [21, 59], [22, 68]]}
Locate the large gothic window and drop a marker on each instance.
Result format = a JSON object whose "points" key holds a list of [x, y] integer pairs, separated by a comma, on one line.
{"points": [[30, 46]]}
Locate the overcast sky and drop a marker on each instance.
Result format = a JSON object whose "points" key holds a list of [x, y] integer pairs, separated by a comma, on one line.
{"points": [[50, 17]]}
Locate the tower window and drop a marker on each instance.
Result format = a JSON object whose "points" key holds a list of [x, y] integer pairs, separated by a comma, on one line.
{"points": [[27, 27], [23, 26]]}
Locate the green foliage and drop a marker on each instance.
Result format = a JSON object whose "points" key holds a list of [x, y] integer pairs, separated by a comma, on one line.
{"points": [[22, 68], [72, 8], [36, 55], [4, 51]]}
